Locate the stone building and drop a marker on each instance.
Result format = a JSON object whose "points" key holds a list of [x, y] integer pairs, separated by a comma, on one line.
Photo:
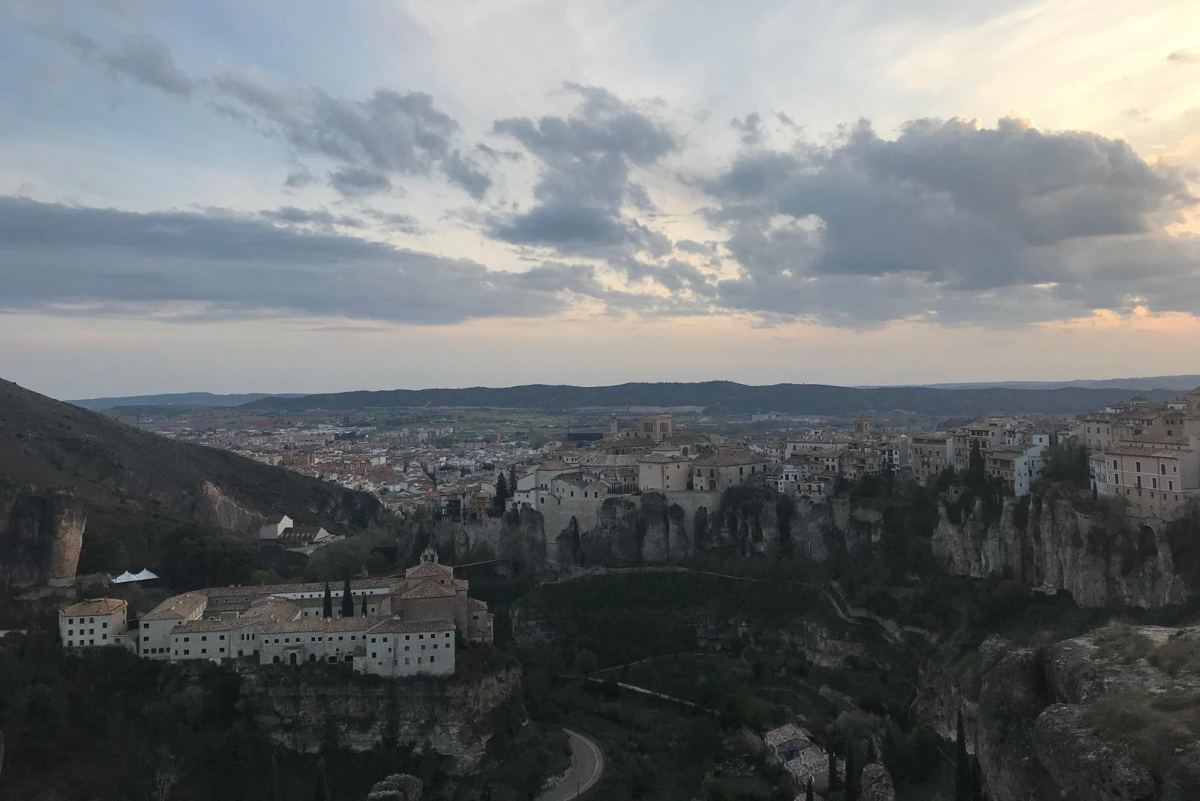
{"points": [[93, 623], [1147, 454], [413, 624], [719, 471]]}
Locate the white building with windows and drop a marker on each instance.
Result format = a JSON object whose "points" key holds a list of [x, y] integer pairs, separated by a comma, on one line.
{"points": [[400, 626], [93, 623]]}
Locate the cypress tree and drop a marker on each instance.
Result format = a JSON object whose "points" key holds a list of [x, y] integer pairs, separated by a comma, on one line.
{"points": [[808, 791], [327, 609], [833, 773], [962, 764], [364, 605], [871, 755], [501, 492], [851, 793], [347, 599]]}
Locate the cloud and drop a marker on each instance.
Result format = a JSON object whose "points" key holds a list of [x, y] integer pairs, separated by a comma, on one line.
{"points": [[356, 181], [1189, 55], [140, 58], [214, 264], [389, 133], [586, 162], [951, 220], [749, 128]]}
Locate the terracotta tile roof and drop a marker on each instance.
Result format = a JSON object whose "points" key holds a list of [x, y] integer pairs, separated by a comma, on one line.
{"points": [[397, 626], [178, 607], [428, 589], [330, 625], [93, 606]]}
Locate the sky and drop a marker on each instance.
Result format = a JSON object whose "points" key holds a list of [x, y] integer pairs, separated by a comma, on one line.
{"points": [[308, 197]]}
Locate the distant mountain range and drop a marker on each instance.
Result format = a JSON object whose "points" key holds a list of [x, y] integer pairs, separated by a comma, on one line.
{"points": [[176, 399], [727, 397], [1180, 383], [1046, 397]]}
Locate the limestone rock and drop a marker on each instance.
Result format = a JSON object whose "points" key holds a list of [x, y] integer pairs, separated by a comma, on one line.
{"points": [[444, 715], [397, 787], [876, 784], [41, 536], [1085, 765], [1051, 545]]}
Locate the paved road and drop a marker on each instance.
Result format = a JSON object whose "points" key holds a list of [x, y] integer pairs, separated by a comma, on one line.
{"points": [[586, 771]]}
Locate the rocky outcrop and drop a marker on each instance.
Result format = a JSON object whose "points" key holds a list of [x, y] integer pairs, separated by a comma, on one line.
{"points": [[397, 787], [1043, 735], [41, 536], [1047, 543], [450, 717], [522, 542], [219, 510], [876, 784]]}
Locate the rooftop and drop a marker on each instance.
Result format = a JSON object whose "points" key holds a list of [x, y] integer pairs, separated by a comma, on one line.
{"points": [[93, 606]]}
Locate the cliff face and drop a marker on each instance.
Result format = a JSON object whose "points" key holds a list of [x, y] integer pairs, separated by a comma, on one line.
{"points": [[446, 716], [41, 535], [1102, 717], [1059, 548]]}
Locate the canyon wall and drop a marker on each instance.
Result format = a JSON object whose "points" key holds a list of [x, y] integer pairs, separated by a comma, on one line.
{"points": [[1052, 545], [450, 717]]}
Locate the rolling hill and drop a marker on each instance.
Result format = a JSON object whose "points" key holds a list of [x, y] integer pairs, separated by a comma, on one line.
{"points": [[727, 397], [133, 485], [175, 399]]}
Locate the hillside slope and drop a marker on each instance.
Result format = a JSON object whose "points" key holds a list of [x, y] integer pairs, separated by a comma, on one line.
{"points": [[732, 398], [133, 485]]}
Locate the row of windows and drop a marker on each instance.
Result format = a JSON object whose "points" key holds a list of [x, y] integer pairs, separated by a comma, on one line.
{"points": [[72, 621], [407, 660]]}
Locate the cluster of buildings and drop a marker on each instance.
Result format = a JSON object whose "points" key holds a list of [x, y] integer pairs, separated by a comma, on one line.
{"points": [[390, 626], [1147, 454], [1011, 449]]}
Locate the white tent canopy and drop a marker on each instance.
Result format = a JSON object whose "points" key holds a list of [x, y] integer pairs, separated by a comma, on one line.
{"points": [[127, 577]]}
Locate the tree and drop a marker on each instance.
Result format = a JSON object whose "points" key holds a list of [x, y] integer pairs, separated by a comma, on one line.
{"points": [[363, 611], [501, 493], [347, 599], [327, 609], [851, 793], [833, 772], [962, 764], [808, 791], [975, 465]]}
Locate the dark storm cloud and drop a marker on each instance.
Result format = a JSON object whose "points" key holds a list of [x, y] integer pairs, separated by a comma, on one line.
{"points": [[586, 159], [949, 217], [140, 58], [67, 259]]}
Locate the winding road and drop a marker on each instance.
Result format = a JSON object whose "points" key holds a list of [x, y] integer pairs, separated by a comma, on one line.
{"points": [[586, 769]]}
